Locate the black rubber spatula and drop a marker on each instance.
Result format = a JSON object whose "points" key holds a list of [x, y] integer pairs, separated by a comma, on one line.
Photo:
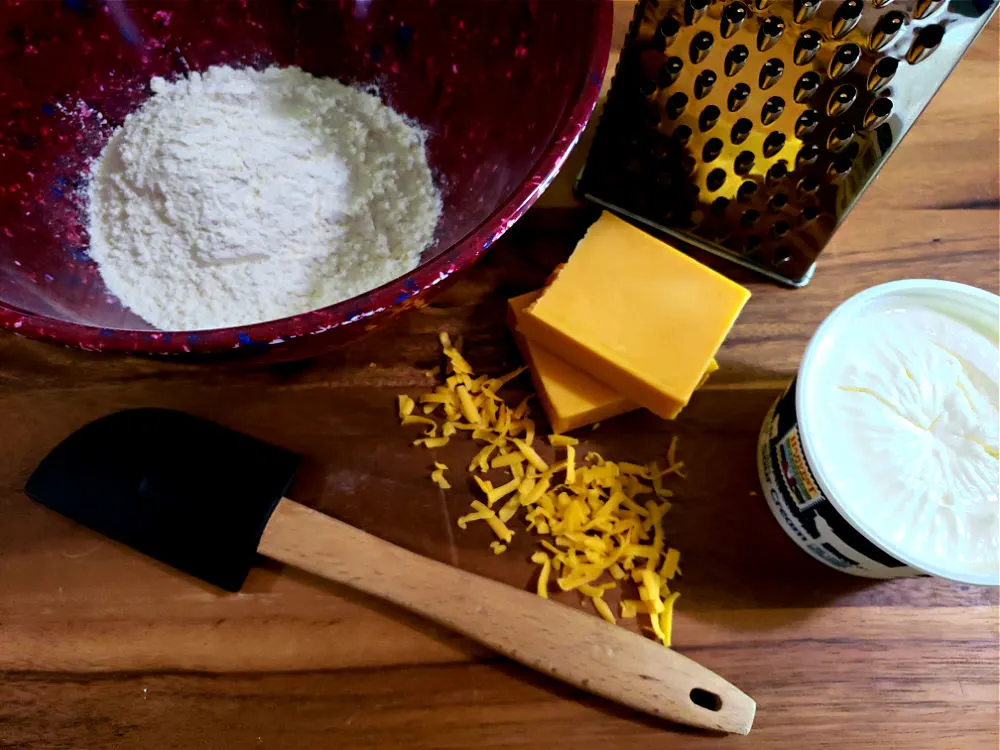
{"points": [[208, 500]]}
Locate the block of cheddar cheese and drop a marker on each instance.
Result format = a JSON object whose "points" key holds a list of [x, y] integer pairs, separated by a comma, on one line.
{"points": [[638, 315], [570, 397]]}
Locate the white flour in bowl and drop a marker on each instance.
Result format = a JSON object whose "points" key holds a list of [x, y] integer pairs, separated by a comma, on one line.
{"points": [[236, 196]]}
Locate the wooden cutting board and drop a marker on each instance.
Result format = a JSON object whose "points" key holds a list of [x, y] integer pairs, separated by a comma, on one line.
{"points": [[101, 648]]}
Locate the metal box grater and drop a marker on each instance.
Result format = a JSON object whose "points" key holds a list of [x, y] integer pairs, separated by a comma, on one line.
{"points": [[750, 127]]}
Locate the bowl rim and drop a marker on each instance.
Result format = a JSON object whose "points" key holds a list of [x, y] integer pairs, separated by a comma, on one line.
{"points": [[380, 301]]}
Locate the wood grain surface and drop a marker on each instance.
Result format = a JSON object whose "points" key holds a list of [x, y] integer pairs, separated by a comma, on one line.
{"points": [[101, 648]]}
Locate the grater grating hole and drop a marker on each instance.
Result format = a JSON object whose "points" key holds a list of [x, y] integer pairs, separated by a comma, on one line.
{"points": [[925, 8], [886, 28], [844, 60], [743, 163], [694, 11], [746, 191], [804, 10], [676, 104], [840, 137], [671, 69], [841, 100], [806, 86], [741, 129], [666, 32], [716, 179], [808, 155], [878, 111], [807, 123], [682, 134], [772, 110], [774, 142], [719, 206], [809, 184], [846, 18], [770, 31], [704, 83], [738, 96], [926, 41], [770, 73], [777, 173], [732, 19], [780, 228], [736, 58], [778, 202], [701, 45], [807, 46], [708, 118], [810, 212], [841, 166], [712, 149], [881, 73], [749, 218]]}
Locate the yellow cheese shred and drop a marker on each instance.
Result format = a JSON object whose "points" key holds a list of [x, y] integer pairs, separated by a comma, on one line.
{"points": [[601, 522], [432, 442], [530, 454], [630, 608], [437, 476], [509, 509], [669, 569], [469, 409], [405, 406], [562, 440], [540, 558], [484, 513], [667, 617], [603, 609]]}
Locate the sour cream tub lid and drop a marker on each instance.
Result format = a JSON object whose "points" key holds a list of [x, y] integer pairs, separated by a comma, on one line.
{"points": [[941, 543]]}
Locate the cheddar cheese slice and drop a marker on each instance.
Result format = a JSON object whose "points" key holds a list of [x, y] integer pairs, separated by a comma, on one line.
{"points": [[571, 398], [636, 314]]}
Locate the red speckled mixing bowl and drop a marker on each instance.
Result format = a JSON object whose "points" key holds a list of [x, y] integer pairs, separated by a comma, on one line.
{"points": [[504, 87]]}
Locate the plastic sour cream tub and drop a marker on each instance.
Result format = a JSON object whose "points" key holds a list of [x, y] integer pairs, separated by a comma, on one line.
{"points": [[880, 459]]}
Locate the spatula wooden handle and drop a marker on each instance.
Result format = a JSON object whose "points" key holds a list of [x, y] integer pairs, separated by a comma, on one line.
{"points": [[565, 643]]}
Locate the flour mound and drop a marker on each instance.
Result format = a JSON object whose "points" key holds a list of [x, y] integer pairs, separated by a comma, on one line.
{"points": [[236, 196]]}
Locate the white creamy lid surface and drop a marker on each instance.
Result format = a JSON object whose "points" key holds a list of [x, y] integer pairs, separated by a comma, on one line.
{"points": [[898, 409]]}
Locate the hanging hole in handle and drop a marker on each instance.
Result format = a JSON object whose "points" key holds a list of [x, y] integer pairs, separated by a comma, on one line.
{"points": [[705, 699]]}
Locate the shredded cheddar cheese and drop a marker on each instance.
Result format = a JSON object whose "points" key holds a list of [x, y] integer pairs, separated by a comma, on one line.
{"points": [[405, 406], [437, 476], [603, 609], [600, 522]]}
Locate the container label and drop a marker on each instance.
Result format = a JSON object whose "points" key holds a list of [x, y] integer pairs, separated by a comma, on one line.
{"points": [[802, 509], [795, 471]]}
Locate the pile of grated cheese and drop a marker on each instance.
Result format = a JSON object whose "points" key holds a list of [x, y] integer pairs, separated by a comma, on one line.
{"points": [[600, 521]]}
